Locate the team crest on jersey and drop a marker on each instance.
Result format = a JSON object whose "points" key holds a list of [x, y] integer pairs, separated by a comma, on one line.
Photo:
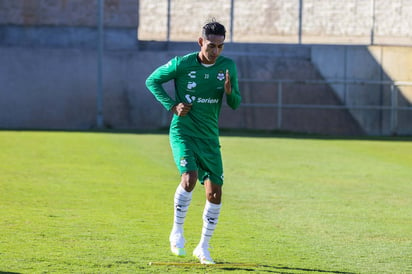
{"points": [[183, 162], [220, 75]]}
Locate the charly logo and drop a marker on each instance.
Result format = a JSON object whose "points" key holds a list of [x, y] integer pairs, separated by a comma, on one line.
{"points": [[192, 74]]}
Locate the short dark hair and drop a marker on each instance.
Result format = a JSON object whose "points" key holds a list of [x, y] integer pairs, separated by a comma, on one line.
{"points": [[213, 27]]}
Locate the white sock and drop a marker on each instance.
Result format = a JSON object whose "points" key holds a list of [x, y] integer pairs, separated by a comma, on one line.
{"points": [[210, 218], [182, 201]]}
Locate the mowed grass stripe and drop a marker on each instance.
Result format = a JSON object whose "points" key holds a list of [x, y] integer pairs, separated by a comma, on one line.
{"points": [[102, 202]]}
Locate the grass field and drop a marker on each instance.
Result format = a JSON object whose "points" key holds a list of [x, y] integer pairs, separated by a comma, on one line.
{"points": [[73, 202]]}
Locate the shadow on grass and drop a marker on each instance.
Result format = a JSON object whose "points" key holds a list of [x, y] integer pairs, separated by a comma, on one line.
{"points": [[6, 272], [261, 268], [274, 269]]}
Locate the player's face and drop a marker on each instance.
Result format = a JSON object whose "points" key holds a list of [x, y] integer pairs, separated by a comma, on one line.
{"points": [[210, 48]]}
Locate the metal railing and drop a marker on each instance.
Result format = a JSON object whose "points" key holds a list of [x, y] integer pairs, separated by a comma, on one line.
{"points": [[280, 105]]}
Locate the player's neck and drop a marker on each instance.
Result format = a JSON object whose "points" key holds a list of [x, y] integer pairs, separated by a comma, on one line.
{"points": [[199, 59]]}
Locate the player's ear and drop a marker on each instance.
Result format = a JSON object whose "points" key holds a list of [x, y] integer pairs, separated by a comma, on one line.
{"points": [[200, 41]]}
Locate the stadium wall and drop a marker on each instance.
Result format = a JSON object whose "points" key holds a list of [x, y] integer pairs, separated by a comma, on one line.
{"points": [[56, 87]]}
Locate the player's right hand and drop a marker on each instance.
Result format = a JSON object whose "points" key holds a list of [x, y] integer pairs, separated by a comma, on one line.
{"points": [[181, 109]]}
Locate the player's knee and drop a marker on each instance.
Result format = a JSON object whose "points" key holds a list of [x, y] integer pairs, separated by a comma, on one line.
{"points": [[214, 196], [188, 180]]}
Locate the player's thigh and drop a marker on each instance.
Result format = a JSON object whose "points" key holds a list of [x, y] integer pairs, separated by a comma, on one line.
{"points": [[210, 162], [183, 153]]}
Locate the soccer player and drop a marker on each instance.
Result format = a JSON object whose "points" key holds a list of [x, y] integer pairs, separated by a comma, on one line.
{"points": [[201, 80]]}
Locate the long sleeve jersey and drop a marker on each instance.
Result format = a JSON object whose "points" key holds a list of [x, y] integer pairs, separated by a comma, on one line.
{"points": [[199, 85]]}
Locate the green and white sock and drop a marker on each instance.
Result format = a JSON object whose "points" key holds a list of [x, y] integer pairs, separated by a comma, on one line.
{"points": [[210, 217], [182, 201]]}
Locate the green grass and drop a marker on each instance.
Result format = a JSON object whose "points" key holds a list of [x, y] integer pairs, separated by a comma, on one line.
{"points": [[73, 202]]}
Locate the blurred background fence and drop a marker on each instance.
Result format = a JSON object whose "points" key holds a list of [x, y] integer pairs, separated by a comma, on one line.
{"points": [[390, 113]]}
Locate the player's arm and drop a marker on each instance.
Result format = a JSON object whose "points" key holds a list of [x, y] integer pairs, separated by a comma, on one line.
{"points": [[156, 80], [233, 97]]}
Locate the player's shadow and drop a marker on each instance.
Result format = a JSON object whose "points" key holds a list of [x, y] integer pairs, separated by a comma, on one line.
{"points": [[275, 269]]}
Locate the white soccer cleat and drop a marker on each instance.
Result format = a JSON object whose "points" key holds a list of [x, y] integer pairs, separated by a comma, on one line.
{"points": [[178, 251], [203, 254], [177, 244]]}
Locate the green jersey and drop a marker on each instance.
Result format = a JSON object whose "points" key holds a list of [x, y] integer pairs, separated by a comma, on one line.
{"points": [[199, 85]]}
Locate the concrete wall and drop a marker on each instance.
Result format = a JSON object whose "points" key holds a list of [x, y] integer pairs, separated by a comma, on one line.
{"points": [[56, 88], [117, 13], [323, 21], [67, 24], [370, 63]]}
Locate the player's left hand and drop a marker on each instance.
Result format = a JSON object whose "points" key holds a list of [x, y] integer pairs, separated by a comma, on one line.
{"points": [[228, 85]]}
